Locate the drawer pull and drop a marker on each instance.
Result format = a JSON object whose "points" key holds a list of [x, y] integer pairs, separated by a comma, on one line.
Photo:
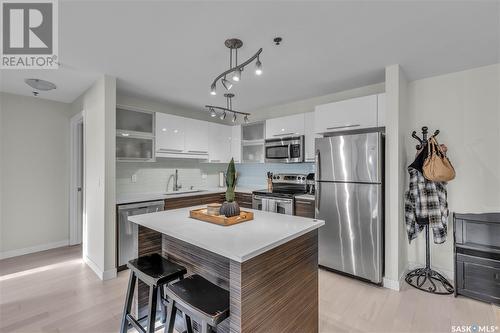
{"points": [[304, 202], [496, 276]]}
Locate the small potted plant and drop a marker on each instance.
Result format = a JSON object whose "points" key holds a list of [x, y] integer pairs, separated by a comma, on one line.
{"points": [[230, 207]]}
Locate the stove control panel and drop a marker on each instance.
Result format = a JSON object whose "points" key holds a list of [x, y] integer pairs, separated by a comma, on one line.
{"points": [[289, 178]]}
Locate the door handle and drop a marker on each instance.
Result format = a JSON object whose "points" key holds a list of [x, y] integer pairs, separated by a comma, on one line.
{"points": [[318, 164], [317, 196], [78, 189]]}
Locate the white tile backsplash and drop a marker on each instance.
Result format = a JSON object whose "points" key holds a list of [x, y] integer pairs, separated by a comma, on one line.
{"points": [[153, 177]]}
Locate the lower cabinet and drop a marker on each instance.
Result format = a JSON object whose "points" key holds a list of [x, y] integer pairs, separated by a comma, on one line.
{"points": [[244, 200], [304, 208], [195, 200]]}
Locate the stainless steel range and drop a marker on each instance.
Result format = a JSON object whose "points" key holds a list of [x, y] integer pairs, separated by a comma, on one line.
{"points": [[281, 198]]}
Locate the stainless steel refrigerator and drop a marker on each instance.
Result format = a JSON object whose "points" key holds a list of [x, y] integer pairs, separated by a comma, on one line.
{"points": [[349, 197]]}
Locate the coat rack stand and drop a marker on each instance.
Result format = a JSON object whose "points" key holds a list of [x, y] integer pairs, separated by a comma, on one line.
{"points": [[426, 278]]}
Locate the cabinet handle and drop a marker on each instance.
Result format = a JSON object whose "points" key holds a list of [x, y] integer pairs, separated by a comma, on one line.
{"points": [[304, 202], [214, 160], [338, 127], [283, 134], [198, 151], [169, 150]]}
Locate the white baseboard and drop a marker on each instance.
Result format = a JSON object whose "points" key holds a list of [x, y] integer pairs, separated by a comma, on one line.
{"points": [[103, 275], [33, 249], [393, 284]]}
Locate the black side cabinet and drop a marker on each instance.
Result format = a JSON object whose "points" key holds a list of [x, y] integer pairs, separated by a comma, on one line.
{"points": [[477, 256]]}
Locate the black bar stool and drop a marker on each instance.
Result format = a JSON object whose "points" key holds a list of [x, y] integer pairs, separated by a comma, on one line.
{"points": [[198, 299], [155, 271]]}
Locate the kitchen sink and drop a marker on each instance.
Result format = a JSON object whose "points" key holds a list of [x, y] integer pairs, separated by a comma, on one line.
{"points": [[183, 192]]}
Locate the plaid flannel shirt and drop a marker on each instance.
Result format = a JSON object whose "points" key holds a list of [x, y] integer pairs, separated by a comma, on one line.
{"points": [[426, 200]]}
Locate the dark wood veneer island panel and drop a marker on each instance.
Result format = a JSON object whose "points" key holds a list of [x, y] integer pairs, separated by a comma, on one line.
{"points": [[276, 291]]}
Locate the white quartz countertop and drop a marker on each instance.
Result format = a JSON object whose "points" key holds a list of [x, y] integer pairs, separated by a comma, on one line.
{"points": [[238, 242], [142, 197]]}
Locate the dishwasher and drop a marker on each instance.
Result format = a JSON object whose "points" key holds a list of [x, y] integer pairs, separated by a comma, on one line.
{"points": [[128, 243]]}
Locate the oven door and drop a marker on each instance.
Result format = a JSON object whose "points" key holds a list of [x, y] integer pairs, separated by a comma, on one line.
{"points": [[286, 150]]}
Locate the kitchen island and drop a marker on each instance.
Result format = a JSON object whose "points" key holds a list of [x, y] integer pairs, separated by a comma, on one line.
{"points": [[269, 264]]}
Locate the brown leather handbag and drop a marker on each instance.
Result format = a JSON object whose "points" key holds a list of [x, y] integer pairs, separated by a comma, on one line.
{"points": [[437, 167]]}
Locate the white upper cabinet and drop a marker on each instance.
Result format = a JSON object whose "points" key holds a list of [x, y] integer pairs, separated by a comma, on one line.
{"points": [[285, 126], [196, 137], [236, 143], [170, 132], [219, 143], [349, 114], [310, 136], [381, 110]]}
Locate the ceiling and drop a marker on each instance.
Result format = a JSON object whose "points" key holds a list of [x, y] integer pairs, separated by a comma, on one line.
{"points": [[171, 51]]}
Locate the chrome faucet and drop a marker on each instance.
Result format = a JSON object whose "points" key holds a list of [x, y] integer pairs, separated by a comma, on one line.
{"points": [[177, 186]]}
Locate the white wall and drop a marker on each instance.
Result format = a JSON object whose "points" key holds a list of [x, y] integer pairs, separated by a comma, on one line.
{"points": [[34, 174], [465, 107], [99, 106]]}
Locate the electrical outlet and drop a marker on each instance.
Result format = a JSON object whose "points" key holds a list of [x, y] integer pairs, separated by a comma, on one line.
{"points": [[203, 176], [134, 178]]}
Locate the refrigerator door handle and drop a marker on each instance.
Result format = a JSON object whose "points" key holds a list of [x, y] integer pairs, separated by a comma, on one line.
{"points": [[317, 195], [318, 165]]}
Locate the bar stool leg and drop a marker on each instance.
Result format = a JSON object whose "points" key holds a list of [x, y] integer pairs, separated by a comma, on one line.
{"points": [[204, 327], [128, 302], [153, 294], [171, 313], [161, 295], [187, 323]]}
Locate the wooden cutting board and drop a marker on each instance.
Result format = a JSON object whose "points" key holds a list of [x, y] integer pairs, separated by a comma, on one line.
{"points": [[201, 214]]}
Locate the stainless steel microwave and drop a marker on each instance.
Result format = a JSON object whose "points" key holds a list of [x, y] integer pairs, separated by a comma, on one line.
{"points": [[285, 150]]}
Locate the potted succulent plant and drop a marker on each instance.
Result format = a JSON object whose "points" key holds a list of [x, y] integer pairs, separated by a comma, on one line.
{"points": [[230, 207]]}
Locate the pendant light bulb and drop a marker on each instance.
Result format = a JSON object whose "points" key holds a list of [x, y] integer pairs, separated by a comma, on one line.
{"points": [[212, 113], [258, 67], [227, 84], [234, 117], [213, 91], [237, 75], [246, 119], [223, 116]]}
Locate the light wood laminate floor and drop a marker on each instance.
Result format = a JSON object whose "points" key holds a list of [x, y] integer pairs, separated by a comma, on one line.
{"points": [[54, 291]]}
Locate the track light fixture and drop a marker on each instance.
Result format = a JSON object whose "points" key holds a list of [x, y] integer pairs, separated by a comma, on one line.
{"points": [[226, 83], [233, 45], [237, 75], [227, 109], [258, 67]]}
